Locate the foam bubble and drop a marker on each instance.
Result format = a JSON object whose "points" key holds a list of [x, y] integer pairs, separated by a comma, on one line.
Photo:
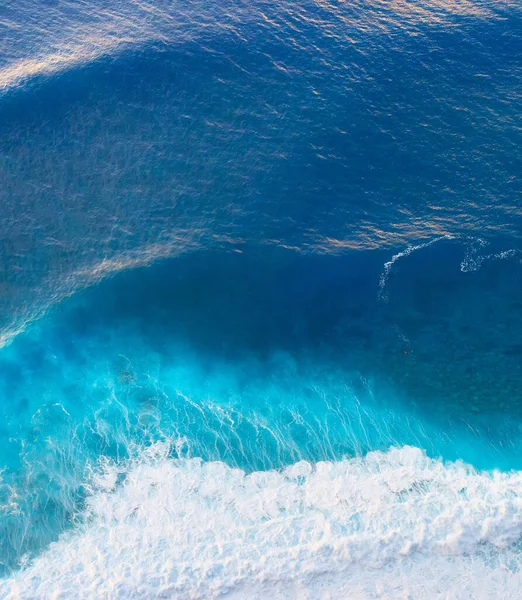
{"points": [[389, 525]]}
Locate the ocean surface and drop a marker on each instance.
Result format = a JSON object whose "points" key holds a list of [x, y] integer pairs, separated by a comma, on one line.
{"points": [[261, 299]]}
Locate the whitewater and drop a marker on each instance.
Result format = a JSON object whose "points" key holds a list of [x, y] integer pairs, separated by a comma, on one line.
{"points": [[393, 524]]}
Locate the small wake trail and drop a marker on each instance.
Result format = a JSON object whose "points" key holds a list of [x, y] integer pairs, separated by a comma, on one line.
{"points": [[473, 259], [388, 266]]}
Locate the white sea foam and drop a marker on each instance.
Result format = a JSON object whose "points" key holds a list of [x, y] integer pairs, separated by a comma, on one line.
{"points": [[389, 525], [474, 260], [388, 266]]}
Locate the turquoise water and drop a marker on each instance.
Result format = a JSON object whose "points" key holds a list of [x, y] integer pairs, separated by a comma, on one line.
{"points": [[261, 359]]}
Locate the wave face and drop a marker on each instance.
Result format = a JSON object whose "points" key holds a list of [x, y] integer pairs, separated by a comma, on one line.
{"points": [[260, 316]]}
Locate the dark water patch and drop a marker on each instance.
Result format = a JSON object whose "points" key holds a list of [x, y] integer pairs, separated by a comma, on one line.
{"points": [[463, 329]]}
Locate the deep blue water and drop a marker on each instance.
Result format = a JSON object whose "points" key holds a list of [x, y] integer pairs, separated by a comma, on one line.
{"points": [[264, 232]]}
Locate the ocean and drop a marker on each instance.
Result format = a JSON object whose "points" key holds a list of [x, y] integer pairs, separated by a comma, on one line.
{"points": [[261, 299]]}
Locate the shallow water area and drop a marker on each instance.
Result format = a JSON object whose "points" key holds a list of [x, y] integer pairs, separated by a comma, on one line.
{"points": [[260, 359]]}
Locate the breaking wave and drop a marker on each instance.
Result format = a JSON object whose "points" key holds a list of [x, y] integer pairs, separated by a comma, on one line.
{"points": [[391, 524]]}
